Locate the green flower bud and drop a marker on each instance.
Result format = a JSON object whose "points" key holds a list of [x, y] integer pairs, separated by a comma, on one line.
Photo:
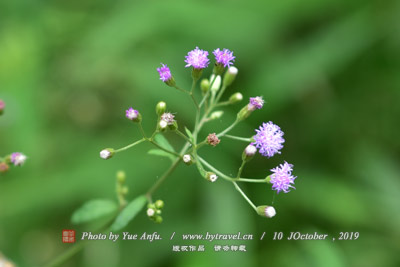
{"points": [[230, 76], [249, 153], [244, 113], [121, 177], [236, 97], [124, 190], [204, 86], [216, 115], [159, 204], [158, 219], [161, 107], [107, 153], [266, 211]]}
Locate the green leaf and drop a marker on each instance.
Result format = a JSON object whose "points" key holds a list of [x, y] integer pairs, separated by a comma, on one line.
{"points": [[128, 213], [92, 210], [162, 141], [162, 153], [189, 134]]}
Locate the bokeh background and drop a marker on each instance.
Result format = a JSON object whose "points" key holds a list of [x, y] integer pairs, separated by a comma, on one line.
{"points": [[328, 70]]}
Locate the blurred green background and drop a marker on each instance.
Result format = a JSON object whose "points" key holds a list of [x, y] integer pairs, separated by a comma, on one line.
{"points": [[328, 70]]}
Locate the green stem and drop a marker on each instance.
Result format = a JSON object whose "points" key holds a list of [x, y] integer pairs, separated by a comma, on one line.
{"points": [[247, 180], [245, 196], [129, 146], [208, 165], [180, 89], [244, 139], [141, 130], [228, 129], [240, 169]]}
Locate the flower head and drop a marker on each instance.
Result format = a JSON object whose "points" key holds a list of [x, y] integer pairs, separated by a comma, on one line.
{"points": [[269, 139], [224, 57], [165, 73], [212, 139], [282, 178], [132, 114], [256, 103], [168, 118], [18, 159], [197, 58]]}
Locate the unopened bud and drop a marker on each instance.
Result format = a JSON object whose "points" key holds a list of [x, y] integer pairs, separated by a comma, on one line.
{"points": [[159, 204], [266, 211], [204, 86], [216, 115], [249, 152], [217, 83], [121, 177], [212, 177], [160, 108], [162, 125], [107, 153], [3, 167], [236, 97], [133, 115], [230, 75], [187, 159], [158, 219], [124, 190], [150, 212]]}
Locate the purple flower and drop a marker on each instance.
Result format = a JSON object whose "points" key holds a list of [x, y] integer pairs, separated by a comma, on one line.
{"points": [[165, 73], [269, 139], [18, 159], [282, 178], [197, 58], [256, 103], [132, 114], [224, 57]]}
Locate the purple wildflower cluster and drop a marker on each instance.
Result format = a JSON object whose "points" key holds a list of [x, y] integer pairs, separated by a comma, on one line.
{"points": [[269, 139], [224, 57], [198, 59], [282, 178]]}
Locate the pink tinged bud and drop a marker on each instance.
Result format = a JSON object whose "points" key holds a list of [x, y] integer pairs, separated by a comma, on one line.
{"points": [[107, 153], [250, 150], [2, 106], [18, 159], [133, 115]]}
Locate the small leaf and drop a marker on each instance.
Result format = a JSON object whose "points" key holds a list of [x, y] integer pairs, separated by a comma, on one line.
{"points": [[128, 213], [162, 153], [162, 141], [189, 134], [92, 210]]}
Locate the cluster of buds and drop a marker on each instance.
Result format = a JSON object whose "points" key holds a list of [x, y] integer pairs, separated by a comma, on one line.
{"points": [[154, 211]]}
